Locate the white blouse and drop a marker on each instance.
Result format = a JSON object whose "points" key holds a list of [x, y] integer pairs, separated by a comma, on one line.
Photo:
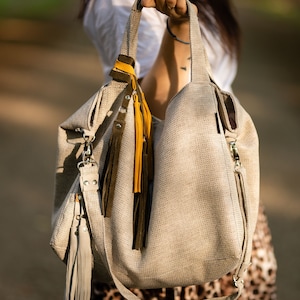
{"points": [[105, 22]]}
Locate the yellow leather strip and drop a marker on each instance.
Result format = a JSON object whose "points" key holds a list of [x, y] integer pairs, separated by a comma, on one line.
{"points": [[143, 124], [139, 137], [124, 67]]}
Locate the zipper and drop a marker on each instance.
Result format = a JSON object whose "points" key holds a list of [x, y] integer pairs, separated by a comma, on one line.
{"points": [[240, 176]]}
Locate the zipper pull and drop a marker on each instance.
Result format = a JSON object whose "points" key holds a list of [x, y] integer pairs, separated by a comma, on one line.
{"points": [[235, 153]]}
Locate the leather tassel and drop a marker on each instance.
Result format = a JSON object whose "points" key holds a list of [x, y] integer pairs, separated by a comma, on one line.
{"points": [[143, 172], [79, 263], [139, 212], [111, 168], [142, 207], [143, 157], [143, 133], [139, 140]]}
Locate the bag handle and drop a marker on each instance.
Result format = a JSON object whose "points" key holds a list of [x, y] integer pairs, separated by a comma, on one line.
{"points": [[200, 67]]}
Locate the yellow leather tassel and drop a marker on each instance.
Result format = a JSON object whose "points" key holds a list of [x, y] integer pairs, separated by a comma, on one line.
{"points": [[139, 139], [143, 121], [143, 159]]}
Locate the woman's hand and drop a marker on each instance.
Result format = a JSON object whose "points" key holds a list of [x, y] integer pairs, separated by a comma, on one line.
{"points": [[175, 9]]}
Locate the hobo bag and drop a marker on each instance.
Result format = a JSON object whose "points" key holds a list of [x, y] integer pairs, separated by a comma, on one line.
{"points": [[149, 203]]}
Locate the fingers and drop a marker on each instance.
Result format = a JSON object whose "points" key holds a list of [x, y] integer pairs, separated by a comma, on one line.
{"points": [[170, 4], [180, 7]]}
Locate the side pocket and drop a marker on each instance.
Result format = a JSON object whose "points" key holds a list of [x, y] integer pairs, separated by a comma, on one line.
{"points": [[240, 178], [62, 223]]}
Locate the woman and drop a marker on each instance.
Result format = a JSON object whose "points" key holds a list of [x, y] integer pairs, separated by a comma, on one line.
{"points": [[163, 67]]}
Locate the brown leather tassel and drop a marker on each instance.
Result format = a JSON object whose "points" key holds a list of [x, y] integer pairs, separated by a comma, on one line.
{"points": [[111, 168], [142, 207], [139, 221]]}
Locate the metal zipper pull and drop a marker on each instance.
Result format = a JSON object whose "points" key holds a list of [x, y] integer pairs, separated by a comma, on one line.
{"points": [[235, 153]]}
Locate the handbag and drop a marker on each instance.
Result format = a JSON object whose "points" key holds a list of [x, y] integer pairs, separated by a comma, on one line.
{"points": [[150, 204]]}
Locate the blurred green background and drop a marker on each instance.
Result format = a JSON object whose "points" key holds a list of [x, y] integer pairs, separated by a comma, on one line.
{"points": [[51, 8], [33, 9], [48, 68]]}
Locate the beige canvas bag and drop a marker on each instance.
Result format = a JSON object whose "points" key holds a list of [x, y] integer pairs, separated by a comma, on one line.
{"points": [[193, 220]]}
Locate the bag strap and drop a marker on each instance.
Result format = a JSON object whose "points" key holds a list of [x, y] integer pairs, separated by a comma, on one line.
{"points": [[200, 70]]}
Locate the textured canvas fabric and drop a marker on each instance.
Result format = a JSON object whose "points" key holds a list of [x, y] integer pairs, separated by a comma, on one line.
{"points": [[204, 203]]}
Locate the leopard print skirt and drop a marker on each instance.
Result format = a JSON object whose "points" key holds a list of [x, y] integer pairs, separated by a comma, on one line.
{"points": [[260, 278]]}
